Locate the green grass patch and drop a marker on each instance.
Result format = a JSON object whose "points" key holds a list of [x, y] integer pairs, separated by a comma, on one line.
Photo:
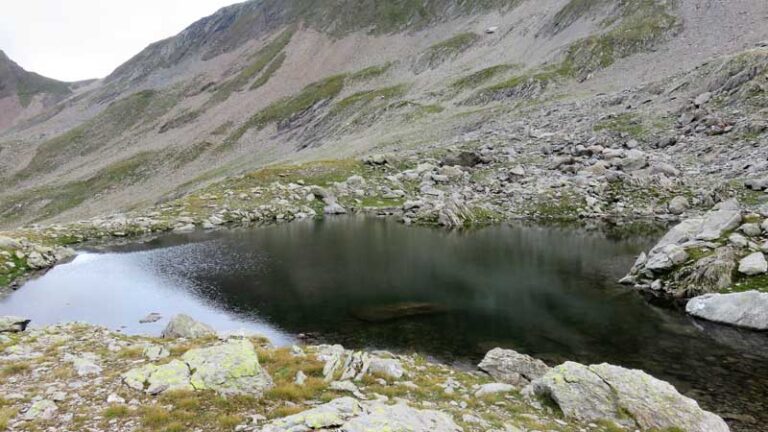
{"points": [[369, 73], [116, 411], [442, 51], [287, 108], [268, 55], [475, 79], [368, 96], [643, 24], [276, 64]]}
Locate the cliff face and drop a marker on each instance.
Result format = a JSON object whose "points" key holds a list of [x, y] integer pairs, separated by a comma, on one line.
{"points": [[273, 81]]}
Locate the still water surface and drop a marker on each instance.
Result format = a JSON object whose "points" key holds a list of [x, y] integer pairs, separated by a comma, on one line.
{"points": [[548, 292]]}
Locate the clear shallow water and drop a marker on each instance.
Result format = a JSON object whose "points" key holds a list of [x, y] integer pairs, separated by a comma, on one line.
{"points": [[370, 283]]}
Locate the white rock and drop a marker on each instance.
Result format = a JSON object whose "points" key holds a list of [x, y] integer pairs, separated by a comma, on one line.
{"points": [[748, 309], [754, 264]]}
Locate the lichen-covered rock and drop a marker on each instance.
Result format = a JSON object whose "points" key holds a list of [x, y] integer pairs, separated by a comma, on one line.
{"points": [[511, 367], [229, 368], [43, 409], [348, 415], [628, 397], [184, 326], [748, 309], [137, 378], [13, 324], [171, 376], [333, 414], [400, 418]]}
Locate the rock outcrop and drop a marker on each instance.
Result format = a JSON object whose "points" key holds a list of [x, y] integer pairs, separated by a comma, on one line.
{"points": [[627, 397], [184, 326]]}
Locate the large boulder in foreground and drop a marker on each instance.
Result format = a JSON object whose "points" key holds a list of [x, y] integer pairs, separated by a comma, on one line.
{"points": [[628, 397], [184, 326], [510, 367], [747, 309], [349, 415], [231, 368], [13, 324]]}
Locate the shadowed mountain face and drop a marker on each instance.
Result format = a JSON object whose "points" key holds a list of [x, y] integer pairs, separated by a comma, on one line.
{"points": [[273, 81]]}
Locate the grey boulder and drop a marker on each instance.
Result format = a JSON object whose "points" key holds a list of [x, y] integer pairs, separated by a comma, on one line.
{"points": [[184, 326], [747, 309], [753, 264], [631, 398], [511, 367]]}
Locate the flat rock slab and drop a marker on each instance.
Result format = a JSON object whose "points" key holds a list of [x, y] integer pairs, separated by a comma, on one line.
{"points": [[748, 309]]}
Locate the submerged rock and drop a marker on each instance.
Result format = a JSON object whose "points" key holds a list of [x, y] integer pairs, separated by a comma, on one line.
{"points": [[13, 324], [748, 309], [628, 397], [511, 367], [397, 311], [184, 326]]}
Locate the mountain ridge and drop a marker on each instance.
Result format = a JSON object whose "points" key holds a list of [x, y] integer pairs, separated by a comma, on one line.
{"points": [[266, 82]]}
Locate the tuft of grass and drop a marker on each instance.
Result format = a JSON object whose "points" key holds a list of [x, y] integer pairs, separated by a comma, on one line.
{"points": [[116, 411], [6, 415], [155, 417], [13, 369]]}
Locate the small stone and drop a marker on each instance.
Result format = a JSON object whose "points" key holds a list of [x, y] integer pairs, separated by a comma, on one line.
{"points": [[754, 264], [494, 388]]}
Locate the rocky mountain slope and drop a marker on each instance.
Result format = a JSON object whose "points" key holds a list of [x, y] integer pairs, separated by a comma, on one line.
{"points": [[274, 82], [24, 95]]}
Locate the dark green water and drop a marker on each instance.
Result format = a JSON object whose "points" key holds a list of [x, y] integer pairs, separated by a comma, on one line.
{"points": [[547, 292]]}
